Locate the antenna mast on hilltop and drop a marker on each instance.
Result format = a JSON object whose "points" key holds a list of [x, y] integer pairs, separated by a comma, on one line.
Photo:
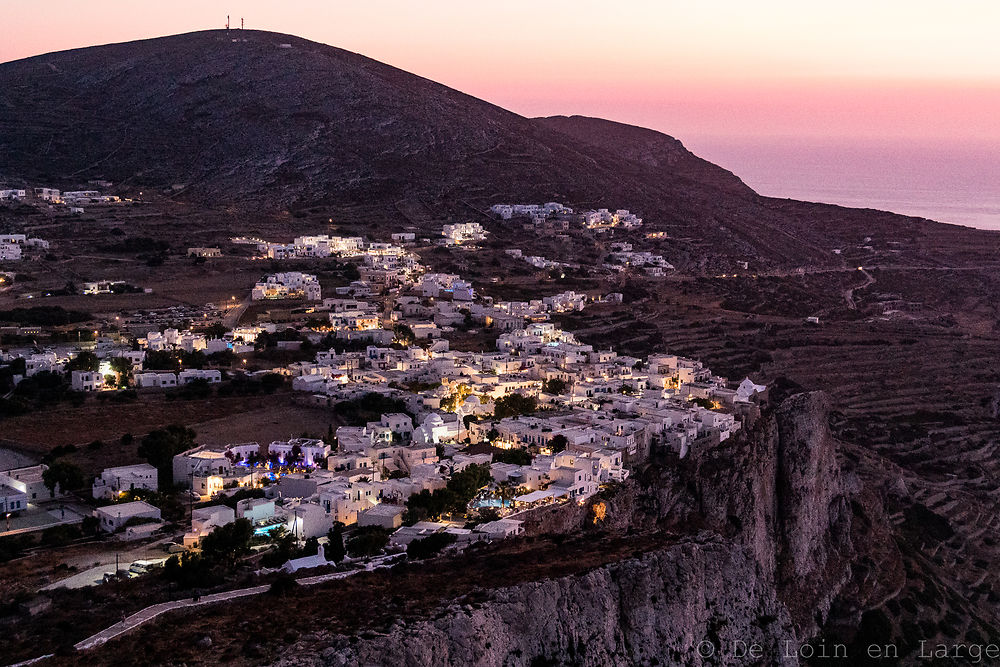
{"points": [[241, 23], [227, 21]]}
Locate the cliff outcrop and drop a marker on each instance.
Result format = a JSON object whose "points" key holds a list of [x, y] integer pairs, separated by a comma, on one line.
{"points": [[764, 525]]}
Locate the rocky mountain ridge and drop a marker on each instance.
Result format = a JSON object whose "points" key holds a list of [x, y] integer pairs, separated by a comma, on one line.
{"points": [[259, 122]]}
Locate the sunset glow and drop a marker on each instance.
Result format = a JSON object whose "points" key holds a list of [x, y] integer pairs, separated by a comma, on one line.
{"points": [[774, 68]]}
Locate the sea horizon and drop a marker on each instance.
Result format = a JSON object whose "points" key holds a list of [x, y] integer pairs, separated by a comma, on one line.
{"points": [[954, 182]]}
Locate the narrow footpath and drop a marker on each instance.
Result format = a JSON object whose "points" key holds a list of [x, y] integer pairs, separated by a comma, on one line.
{"points": [[149, 613]]}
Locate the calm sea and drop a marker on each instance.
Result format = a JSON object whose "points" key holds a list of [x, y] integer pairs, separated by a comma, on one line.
{"points": [[957, 183]]}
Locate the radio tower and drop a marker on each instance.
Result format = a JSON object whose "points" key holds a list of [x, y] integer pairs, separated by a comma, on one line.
{"points": [[227, 21], [241, 23]]}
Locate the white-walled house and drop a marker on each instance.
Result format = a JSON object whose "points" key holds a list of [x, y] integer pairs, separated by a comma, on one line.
{"points": [[255, 510], [191, 374], [204, 252], [155, 379], [206, 519], [113, 518], [10, 252], [463, 233], [206, 471], [41, 362], [29, 480], [87, 381], [383, 515], [501, 528], [114, 481], [291, 284], [12, 499]]}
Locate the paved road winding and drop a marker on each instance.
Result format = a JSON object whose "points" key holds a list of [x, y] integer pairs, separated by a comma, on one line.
{"points": [[151, 612]]}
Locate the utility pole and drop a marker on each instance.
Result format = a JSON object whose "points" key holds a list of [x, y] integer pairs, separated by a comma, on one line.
{"points": [[191, 499]]}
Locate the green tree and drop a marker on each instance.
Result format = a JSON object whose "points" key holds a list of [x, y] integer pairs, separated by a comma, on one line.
{"points": [[271, 382], [311, 547], [554, 386], [228, 543], [189, 570], [466, 483], [121, 365], [558, 443], [90, 525], [429, 505], [85, 361], [66, 475], [367, 541], [429, 546], [520, 457], [283, 585], [513, 405], [403, 334], [160, 446], [335, 549], [161, 360]]}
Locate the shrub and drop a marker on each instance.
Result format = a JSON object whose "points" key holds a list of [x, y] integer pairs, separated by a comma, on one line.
{"points": [[429, 546], [367, 541]]}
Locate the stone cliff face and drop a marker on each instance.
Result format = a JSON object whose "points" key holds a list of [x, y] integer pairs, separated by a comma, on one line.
{"points": [[764, 525], [661, 608]]}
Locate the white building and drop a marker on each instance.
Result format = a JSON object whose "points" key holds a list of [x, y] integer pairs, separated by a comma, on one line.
{"points": [[113, 518], [206, 519], [292, 284], [191, 374], [502, 528], [10, 252], [155, 379], [204, 252], [29, 481], [48, 194], [383, 515], [114, 481], [87, 381], [12, 499], [467, 232]]}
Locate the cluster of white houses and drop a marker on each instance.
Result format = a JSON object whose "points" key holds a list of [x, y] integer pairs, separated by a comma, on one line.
{"points": [[600, 414], [537, 261], [322, 245], [465, 232], [305, 494], [592, 414], [543, 214], [54, 360], [288, 285], [54, 196], [14, 246], [238, 340], [624, 256]]}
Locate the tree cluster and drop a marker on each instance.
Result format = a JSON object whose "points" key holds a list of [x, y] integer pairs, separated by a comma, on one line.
{"points": [[514, 405], [431, 545], [160, 446], [462, 487]]}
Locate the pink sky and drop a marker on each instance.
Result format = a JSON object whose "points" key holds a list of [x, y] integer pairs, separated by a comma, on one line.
{"points": [[898, 69]]}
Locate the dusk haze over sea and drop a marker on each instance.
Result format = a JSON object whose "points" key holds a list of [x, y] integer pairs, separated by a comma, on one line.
{"points": [[888, 105]]}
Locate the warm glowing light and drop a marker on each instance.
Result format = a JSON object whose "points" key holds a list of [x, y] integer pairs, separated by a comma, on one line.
{"points": [[600, 511]]}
